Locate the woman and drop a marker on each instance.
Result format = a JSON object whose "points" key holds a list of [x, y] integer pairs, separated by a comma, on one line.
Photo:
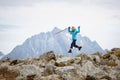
{"points": [[74, 32]]}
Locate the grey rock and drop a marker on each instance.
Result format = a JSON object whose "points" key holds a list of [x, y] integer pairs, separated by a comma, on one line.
{"points": [[51, 67], [64, 61], [48, 56], [115, 49]]}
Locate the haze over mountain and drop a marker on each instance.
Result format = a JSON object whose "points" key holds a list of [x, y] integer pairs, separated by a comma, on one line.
{"points": [[50, 41]]}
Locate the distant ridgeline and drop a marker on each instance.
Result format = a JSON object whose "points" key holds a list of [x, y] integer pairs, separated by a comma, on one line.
{"points": [[50, 41]]}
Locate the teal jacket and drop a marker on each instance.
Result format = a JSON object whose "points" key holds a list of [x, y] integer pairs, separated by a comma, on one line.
{"points": [[74, 33]]}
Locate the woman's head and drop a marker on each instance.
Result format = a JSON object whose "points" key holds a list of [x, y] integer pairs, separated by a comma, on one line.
{"points": [[73, 28]]}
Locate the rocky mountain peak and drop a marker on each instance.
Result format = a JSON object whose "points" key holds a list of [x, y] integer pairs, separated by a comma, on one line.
{"points": [[56, 40]]}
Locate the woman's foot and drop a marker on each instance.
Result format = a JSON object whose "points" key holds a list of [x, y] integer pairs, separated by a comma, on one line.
{"points": [[70, 51], [79, 48]]}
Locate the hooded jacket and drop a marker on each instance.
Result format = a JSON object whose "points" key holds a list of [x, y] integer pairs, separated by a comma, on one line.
{"points": [[74, 33]]}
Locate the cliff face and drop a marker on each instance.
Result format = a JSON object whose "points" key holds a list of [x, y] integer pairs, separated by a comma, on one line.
{"points": [[49, 66]]}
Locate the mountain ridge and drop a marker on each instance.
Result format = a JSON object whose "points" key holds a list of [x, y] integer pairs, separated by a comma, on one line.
{"points": [[50, 41], [1, 53]]}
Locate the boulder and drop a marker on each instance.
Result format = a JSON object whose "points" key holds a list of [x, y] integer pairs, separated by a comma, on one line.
{"points": [[77, 60], [90, 69], [51, 77], [48, 56], [3, 69], [12, 73], [68, 73], [90, 78], [49, 69], [105, 78], [1, 62], [95, 58], [84, 56], [66, 69], [115, 49], [113, 57], [64, 61], [98, 54], [26, 70], [31, 77], [112, 63], [8, 72], [14, 62]]}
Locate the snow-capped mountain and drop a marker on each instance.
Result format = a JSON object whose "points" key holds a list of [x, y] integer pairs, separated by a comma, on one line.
{"points": [[1, 54], [52, 41]]}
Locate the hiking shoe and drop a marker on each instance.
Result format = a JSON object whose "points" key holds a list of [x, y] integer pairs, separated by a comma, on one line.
{"points": [[79, 48], [70, 51]]}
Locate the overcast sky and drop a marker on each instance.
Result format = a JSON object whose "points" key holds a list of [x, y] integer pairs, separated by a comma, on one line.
{"points": [[20, 19]]}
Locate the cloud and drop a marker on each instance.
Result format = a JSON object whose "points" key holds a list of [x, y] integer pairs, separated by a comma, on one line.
{"points": [[4, 27], [7, 3], [117, 17], [105, 3], [111, 4]]}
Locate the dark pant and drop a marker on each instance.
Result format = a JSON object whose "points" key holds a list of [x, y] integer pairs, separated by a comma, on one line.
{"points": [[73, 44]]}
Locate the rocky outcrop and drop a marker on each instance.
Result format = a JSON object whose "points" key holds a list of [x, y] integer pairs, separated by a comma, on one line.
{"points": [[8, 72], [114, 51], [48, 56], [49, 66]]}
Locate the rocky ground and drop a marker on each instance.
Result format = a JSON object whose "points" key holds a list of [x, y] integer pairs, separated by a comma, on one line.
{"points": [[49, 66]]}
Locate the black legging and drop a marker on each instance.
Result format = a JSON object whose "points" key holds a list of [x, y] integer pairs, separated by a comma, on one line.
{"points": [[73, 44]]}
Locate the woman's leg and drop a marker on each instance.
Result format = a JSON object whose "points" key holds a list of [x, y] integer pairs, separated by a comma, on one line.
{"points": [[79, 47], [72, 44]]}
